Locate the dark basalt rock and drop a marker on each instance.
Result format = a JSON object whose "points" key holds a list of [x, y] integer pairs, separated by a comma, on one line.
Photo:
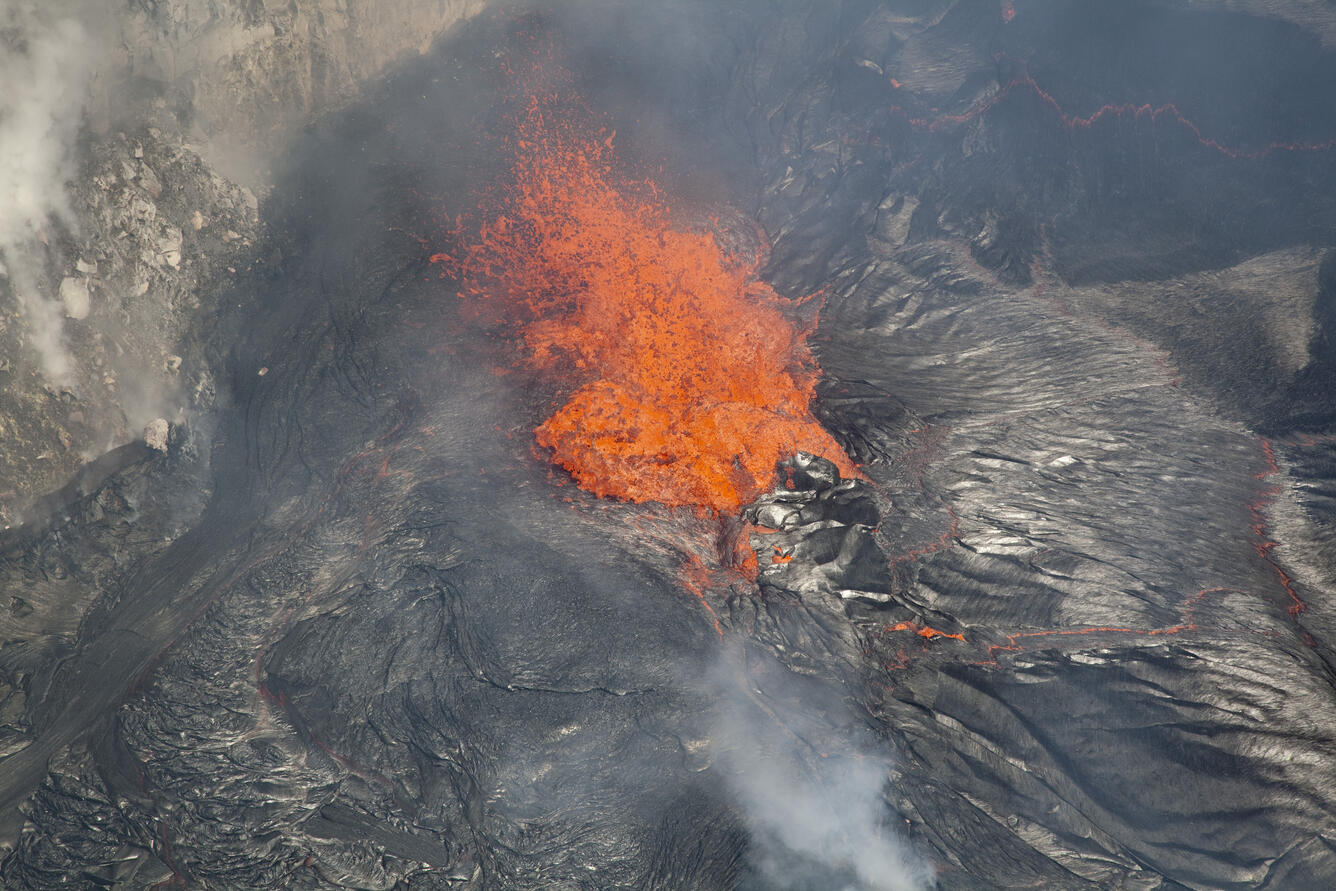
{"points": [[820, 534], [1073, 628]]}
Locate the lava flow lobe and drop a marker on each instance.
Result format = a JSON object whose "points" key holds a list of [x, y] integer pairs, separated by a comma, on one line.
{"points": [[691, 381]]}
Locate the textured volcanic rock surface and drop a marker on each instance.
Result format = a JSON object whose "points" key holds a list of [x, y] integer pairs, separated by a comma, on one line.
{"points": [[1073, 630], [139, 134]]}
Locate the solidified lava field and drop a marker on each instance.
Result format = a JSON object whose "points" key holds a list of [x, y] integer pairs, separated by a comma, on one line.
{"points": [[1054, 610]]}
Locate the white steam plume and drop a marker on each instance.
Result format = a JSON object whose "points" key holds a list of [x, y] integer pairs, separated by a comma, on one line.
{"points": [[818, 819], [45, 62]]}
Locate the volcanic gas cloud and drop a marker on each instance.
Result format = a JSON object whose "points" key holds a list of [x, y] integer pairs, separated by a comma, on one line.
{"points": [[691, 380]]}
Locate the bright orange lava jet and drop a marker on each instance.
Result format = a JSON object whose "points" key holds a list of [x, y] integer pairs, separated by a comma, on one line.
{"points": [[691, 378]]}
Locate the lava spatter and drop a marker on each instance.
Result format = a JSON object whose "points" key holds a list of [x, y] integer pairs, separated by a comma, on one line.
{"points": [[691, 378]]}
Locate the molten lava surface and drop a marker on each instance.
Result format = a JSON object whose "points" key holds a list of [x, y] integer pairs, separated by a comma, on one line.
{"points": [[692, 377]]}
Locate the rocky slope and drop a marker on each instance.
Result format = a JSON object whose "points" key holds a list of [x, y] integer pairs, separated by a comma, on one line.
{"points": [[180, 109], [1072, 631], [241, 75]]}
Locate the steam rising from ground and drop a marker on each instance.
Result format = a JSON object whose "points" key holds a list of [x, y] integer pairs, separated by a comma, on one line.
{"points": [[816, 810], [46, 57]]}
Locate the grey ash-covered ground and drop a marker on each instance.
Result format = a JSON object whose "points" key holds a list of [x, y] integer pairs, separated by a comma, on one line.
{"points": [[1073, 630]]}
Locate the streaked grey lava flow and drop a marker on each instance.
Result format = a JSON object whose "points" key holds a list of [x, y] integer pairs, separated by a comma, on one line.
{"points": [[1072, 630]]}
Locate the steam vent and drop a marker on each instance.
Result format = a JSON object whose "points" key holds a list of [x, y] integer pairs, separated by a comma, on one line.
{"points": [[815, 445]]}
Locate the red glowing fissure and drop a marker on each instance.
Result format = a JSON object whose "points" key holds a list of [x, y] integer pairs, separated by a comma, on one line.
{"points": [[1264, 545], [924, 631], [1024, 82]]}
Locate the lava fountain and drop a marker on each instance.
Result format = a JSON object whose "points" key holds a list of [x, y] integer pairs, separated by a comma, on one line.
{"points": [[691, 376]]}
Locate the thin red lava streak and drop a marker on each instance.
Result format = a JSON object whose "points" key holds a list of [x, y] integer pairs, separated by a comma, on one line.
{"points": [[698, 578], [1264, 545], [944, 541], [177, 878], [924, 631], [1310, 440], [1188, 623], [280, 701], [1169, 111]]}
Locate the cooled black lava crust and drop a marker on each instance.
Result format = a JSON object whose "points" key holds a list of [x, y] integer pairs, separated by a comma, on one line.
{"points": [[1079, 614]]}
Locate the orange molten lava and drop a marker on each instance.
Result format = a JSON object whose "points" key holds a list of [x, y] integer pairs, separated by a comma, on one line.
{"points": [[691, 380]]}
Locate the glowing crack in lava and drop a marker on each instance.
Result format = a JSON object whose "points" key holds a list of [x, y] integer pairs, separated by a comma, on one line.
{"points": [[693, 378]]}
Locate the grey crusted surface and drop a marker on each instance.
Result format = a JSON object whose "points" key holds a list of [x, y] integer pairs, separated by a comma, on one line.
{"points": [[392, 649]]}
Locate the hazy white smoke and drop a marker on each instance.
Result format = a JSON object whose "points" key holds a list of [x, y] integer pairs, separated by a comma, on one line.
{"points": [[45, 61], [818, 820]]}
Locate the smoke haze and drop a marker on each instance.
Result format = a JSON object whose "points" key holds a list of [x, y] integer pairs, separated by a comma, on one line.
{"points": [[46, 57], [810, 793]]}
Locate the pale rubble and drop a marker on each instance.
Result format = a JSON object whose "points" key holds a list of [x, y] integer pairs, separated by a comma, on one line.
{"points": [[169, 246], [241, 76], [149, 181], [155, 434], [74, 297], [187, 98], [136, 272]]}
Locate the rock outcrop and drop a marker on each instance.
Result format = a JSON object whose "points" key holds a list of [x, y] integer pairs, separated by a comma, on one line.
{"points": [[241, 75], [159, 235], [188, 103]]}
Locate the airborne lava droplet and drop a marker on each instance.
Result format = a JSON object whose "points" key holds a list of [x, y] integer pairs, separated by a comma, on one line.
{"points": [[691, 378]]}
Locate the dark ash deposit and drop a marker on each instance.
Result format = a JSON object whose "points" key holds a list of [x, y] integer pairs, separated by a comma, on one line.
{"points": [[1074, 630]]}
